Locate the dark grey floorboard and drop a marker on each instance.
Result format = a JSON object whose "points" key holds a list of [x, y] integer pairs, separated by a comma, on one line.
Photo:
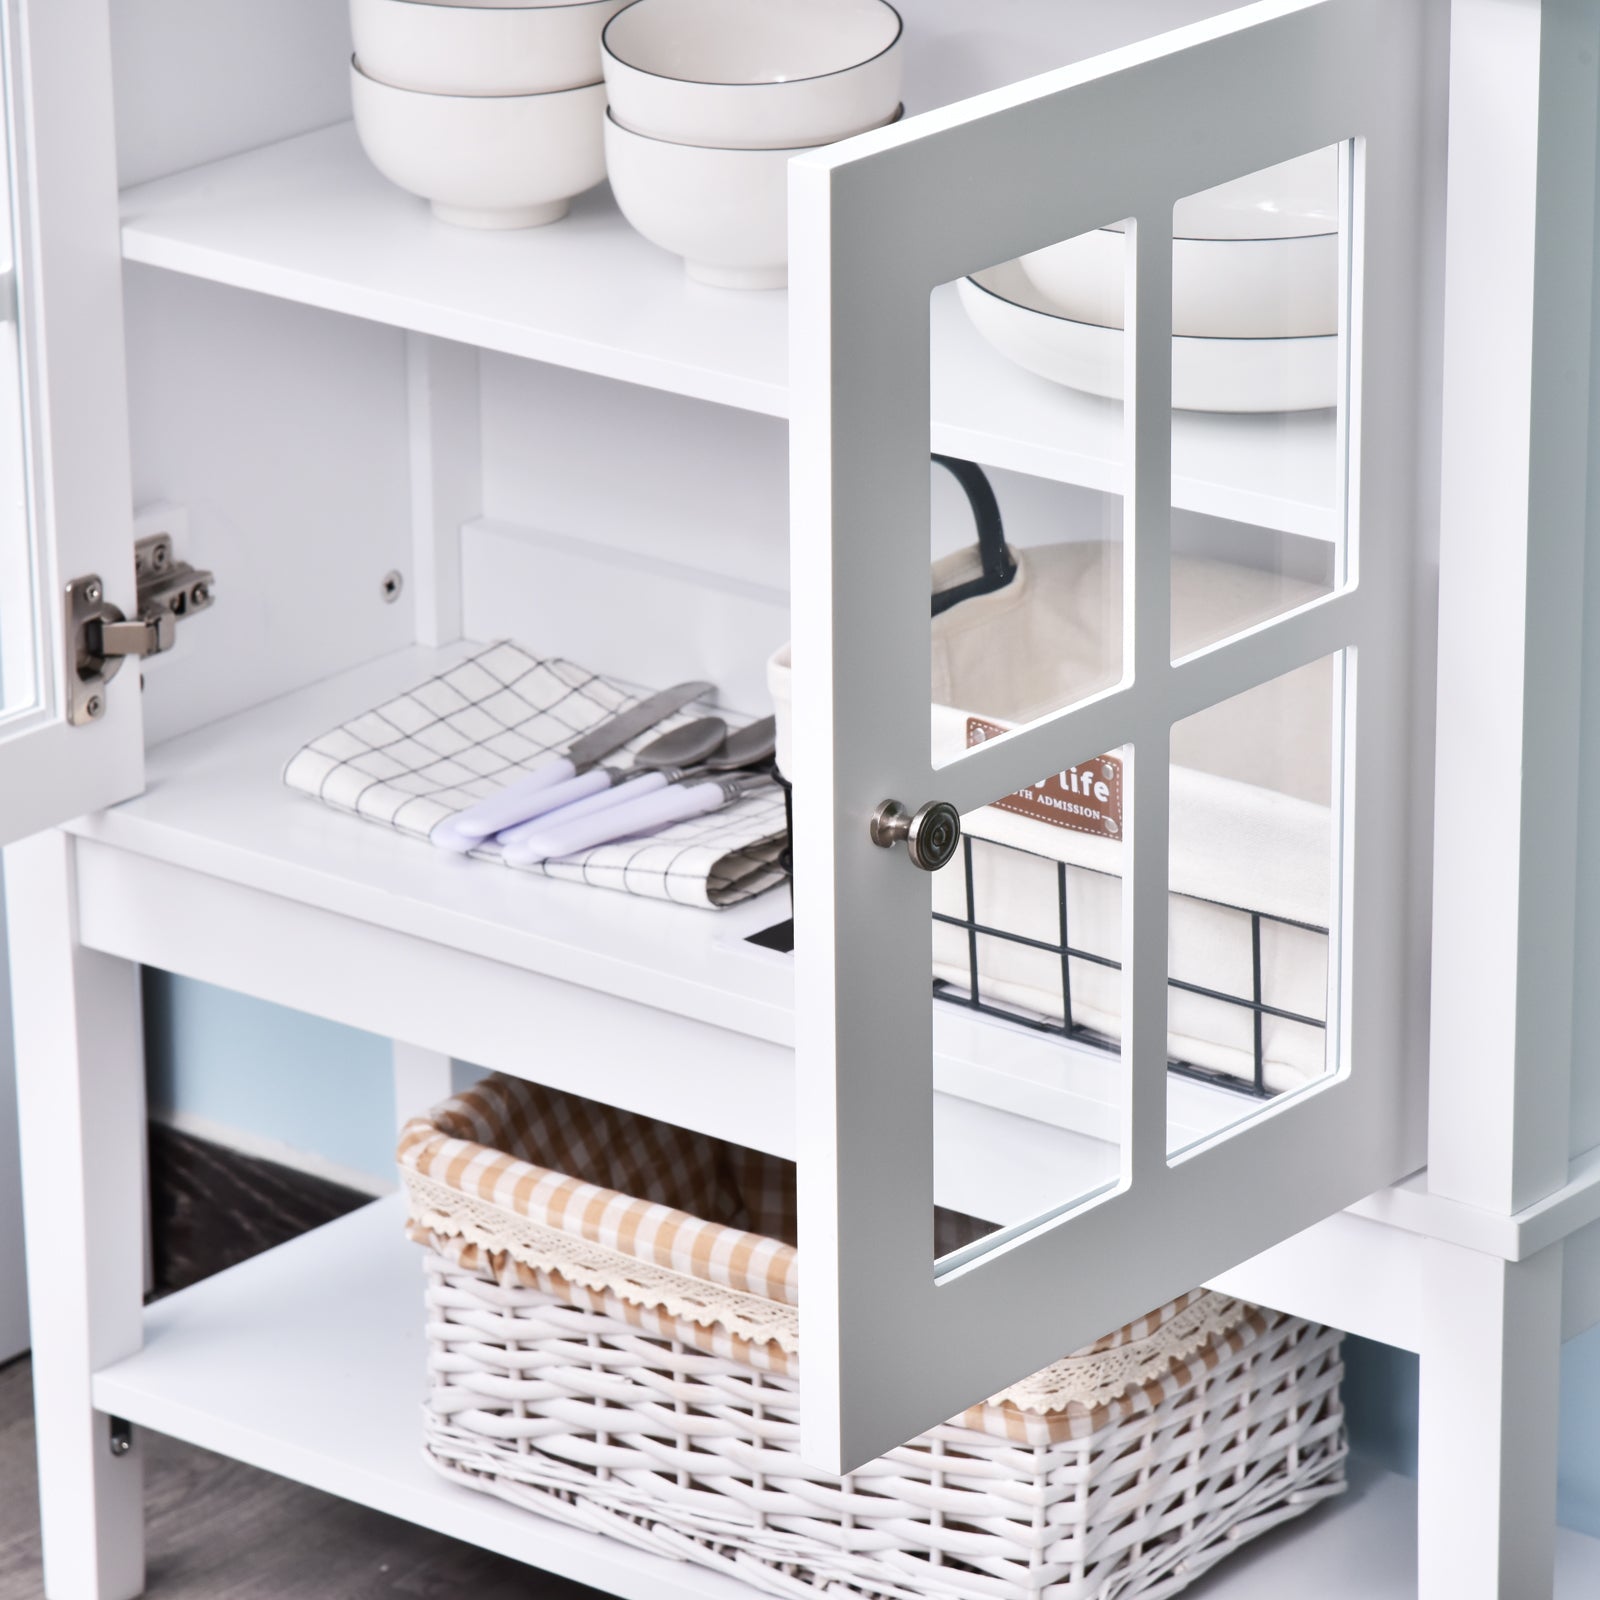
{"points": [[218, 1530], [212, 1208]]}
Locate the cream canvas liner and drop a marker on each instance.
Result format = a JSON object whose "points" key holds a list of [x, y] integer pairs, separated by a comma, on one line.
{"points": [[692, 1238]]}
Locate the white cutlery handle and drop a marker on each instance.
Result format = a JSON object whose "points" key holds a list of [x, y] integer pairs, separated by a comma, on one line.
{"points": [[587, 806], [506, 806], [670, 804], [535, 807]]}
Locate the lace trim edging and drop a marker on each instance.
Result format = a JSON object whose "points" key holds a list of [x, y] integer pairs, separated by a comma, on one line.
{"points": [[1089, 1380], [451, 1214], [1106, 1376]]}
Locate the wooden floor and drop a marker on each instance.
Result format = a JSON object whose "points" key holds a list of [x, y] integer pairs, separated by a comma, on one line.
{"points": [[218, 1530]]}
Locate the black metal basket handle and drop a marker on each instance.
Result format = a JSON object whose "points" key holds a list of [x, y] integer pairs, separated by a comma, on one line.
{"points": [[999, 565], [999, 568]]}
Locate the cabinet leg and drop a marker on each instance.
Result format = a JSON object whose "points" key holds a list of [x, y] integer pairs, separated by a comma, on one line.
{"points": [[421, 1080], [80, 1087], [1490, 1398]]}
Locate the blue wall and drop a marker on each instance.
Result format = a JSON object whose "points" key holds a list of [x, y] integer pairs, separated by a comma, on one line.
{"points": [[244, 1065]]}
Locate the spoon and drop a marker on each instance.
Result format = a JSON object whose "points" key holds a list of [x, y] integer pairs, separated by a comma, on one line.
{"points": [[745, 747], [678, 748], [750, 746]]}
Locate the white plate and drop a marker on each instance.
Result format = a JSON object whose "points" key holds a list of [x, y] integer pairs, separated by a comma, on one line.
{"points": [[1221, 288], [1283, 202], [1207, 374]]}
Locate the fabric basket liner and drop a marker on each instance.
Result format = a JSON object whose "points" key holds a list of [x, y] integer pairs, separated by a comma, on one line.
{"points": [[463, 734], [1251, 829], [690, 1237]]}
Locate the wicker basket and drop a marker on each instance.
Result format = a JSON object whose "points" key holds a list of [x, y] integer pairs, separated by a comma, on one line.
{"points": [[607, 1397]]}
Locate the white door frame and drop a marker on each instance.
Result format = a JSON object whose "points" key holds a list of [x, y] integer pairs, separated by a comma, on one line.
{"points": [[69, 281], [875, 226]]}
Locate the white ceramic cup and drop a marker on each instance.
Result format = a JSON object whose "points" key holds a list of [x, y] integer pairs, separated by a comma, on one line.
{"points": [[489, 47], [753, 74], [484, 161], [726, 212], [1240, 375]]}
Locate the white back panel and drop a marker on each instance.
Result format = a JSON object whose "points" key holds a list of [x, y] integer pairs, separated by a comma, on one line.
{"points": [[197, 82]]}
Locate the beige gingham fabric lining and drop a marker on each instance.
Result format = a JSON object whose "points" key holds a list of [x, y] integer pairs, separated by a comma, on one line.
{"points": [[485, 1175], [658, 1188]]}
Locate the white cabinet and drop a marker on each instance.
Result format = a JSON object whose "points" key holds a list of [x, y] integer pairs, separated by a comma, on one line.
{"points": [[552, 435]]}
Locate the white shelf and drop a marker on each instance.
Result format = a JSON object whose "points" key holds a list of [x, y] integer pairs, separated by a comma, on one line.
{"points": [[658, 1008], [310, 220], [215, 803], [308, 1362]]}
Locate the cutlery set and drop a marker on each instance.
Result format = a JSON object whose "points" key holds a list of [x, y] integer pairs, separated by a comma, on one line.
{"points": [[571, 802]]}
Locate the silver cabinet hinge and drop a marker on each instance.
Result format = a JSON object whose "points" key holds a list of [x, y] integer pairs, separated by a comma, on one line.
{"points": [[100, 638]]}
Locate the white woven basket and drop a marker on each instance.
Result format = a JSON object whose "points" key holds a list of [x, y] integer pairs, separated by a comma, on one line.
{"points": [[582, 1416], [613, 1340]]}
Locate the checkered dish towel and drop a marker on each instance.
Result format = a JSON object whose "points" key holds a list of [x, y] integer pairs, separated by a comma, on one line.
{"points": [[466, 733]]}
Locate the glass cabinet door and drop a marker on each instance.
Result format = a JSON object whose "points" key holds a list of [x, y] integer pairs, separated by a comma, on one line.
{"points": [[66, 516], [1278, 954]]}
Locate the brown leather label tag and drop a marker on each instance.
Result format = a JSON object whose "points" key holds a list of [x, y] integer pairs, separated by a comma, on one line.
{"points": [[1086, 798]]}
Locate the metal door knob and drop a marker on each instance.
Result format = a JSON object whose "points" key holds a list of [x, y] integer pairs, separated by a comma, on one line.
{"points": [[931, 835]]}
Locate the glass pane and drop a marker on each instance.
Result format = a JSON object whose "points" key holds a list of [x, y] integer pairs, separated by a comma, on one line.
{"points": [[19, 577], [1255, 851], [1027, 622], [1027, 963], [1027, 587], [1258, 315]]}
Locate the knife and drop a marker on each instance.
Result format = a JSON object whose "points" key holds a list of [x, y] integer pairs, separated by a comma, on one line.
{"points": [[647, 814], [524, 797]]}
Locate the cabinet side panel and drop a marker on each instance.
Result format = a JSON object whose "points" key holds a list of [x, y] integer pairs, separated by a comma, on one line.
{"points": [[1585, 1121], [281, 432]]}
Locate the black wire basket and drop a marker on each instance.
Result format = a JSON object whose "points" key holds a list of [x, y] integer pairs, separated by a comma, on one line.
{"points": [[1061, 960]]}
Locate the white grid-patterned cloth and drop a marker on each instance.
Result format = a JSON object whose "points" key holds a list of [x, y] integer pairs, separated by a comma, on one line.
{"points": [[463, 735]]}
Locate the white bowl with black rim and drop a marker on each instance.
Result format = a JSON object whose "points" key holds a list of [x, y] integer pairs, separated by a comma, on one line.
{"points": [[753, 74], [726, 212], [1208, 374], [484, 161], [485, 47]]}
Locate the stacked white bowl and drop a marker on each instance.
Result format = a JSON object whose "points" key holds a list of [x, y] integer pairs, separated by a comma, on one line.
{"points": [[710, 98], [1255, 297], [493, 110]]}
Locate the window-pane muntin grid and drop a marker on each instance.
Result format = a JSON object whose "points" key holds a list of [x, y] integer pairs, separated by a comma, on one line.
{"points": [[1150, 686], [853, 280]]}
